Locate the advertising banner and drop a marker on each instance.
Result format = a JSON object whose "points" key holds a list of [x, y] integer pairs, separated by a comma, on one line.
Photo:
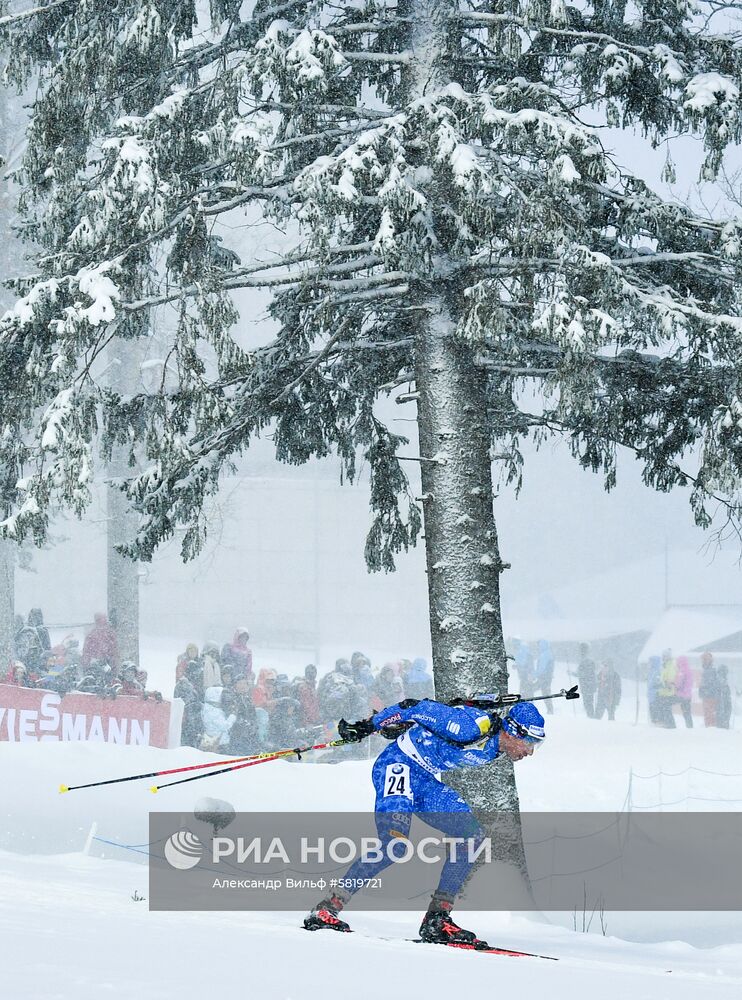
{"points": [[31, 715]]}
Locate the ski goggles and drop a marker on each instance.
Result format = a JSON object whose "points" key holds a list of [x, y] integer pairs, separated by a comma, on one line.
{"points": [[531, 734]]}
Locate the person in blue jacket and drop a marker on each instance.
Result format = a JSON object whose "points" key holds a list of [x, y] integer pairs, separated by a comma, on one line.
{"points": [[429, 739], [544, 671]]}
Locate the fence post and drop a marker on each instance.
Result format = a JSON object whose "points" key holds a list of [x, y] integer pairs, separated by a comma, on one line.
{"points": [[89, 840], [636, 710]]}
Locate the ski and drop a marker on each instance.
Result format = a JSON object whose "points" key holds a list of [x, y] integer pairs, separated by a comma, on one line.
{"points": [[487, 950], [482, 948]]}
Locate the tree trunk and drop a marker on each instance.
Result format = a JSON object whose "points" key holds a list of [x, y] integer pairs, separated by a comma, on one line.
{"points": [[462, 553], [122, 521], [463, 559], [123, 573]]}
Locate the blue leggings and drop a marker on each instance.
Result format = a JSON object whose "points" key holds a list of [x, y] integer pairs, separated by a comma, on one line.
{"points": [[403, 788]]}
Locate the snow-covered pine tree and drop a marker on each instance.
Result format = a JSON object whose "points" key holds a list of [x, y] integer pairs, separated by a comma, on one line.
{"points": [[456, 224]]}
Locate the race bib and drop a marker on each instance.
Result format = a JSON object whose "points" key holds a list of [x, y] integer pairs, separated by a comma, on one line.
{"points": [[397, 780]]}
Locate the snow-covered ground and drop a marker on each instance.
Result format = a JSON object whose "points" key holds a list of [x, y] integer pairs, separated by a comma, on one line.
{"points": [[72, 931]]}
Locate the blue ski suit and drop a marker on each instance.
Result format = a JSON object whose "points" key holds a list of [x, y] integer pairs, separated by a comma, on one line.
{"points": [[406, 778]]}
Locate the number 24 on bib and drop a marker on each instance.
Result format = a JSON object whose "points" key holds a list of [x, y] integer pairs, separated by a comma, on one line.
{"points": [[397, 780]]}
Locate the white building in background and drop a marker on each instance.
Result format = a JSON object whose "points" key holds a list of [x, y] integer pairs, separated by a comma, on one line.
{"points": [[691, 630]]}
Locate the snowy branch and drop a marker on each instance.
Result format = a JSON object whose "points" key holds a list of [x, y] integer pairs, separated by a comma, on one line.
{"points": [[312, 366], [23, 15]]}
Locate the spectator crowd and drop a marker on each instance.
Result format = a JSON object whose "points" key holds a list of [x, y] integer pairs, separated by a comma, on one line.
{"points": [[670, 682], [95, 669], [229, 708]]}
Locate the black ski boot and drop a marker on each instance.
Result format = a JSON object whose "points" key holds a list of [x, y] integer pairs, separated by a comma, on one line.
{"points": [[325, 916], [438, 928]]}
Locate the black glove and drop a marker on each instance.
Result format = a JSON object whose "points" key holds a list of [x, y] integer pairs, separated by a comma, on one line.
{"points": [[393, 732], [354, 732]]}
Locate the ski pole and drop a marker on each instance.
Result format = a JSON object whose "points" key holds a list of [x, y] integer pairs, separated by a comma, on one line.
{"points": [[263, 759], [158, 774], [222, 764]]}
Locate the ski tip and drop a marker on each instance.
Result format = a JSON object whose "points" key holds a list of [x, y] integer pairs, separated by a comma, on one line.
{"points": [[154, 789], [485, 949], [63, 788]]}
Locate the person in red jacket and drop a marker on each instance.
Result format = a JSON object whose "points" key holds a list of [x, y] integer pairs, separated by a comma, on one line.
{"points": [[191, 653], [101, 644], [17, 676], [263, 694]]}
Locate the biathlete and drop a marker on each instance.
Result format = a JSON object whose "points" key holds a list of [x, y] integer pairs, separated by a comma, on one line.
{"points": [[429, 739]]}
